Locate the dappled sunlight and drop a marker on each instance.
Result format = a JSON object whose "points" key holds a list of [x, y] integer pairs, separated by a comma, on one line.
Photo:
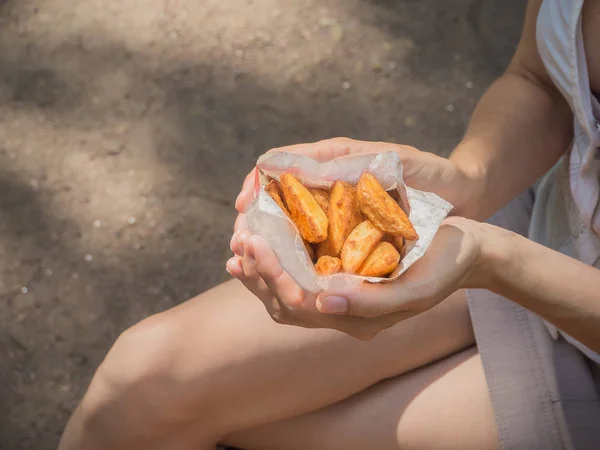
{"points": [[126, 129]]}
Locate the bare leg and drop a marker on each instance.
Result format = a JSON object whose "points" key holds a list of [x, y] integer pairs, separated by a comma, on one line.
{"points": [[217, 364], [445, 405]]}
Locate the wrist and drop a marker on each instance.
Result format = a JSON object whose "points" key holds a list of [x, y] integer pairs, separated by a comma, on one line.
{"points": [[494, 256]]}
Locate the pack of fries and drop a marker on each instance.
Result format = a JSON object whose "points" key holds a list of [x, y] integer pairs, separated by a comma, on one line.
{"points": [[345, 221]]}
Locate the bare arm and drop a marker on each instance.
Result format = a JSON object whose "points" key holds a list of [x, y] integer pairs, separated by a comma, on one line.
{"points": [[562, 290], [520, 128]]}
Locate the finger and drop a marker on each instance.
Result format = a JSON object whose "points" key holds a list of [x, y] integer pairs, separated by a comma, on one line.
{"points": [[254, 284], [358, 327], [258, 287], [261, 291], [246, 194], [248, 260], [365, 300], [329, 149], [280, 314], [233, 244], [240, 225], [241, 237], [234, 267], [281, 284]]}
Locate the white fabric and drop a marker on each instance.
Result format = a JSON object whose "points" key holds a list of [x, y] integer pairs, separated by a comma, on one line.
{"points": [[566, 216]]}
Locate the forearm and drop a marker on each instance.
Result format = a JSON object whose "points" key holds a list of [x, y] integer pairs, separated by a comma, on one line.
{"points": [[562, 290], [519, 129]]}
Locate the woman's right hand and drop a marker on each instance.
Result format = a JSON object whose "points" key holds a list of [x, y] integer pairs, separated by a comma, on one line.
{"points": [[422, 170]]}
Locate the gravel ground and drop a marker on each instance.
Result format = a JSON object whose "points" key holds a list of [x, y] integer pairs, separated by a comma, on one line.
{"points": [[127, 127]]}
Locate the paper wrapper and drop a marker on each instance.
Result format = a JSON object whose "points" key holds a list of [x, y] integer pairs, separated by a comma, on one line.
{"points": [[265, 218]]}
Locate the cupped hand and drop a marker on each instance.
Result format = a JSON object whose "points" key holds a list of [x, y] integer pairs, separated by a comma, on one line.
{"points": [[255, 264], [257, 267], [451, 262]]}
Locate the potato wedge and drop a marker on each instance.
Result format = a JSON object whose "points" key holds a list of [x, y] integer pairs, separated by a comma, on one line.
{"points": [[328, 265], [311, 221], [344, 215], [273, 188], [322, 198], [382, 261], [396, 241], [381, 209], [359, 245]]}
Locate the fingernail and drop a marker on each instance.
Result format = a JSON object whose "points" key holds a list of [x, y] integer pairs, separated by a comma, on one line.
{"points": [[333, 305], [234, 266]]}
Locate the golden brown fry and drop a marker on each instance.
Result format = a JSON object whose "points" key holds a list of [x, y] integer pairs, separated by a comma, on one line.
{"points": [[306, 213], [381, 262], [360, 243], [309, 249], [322, 198], [273, 188], [344, 215], [396, 241], [328, 265], [381, 209]]}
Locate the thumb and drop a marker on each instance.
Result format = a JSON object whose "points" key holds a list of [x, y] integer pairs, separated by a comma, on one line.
{"points": [[364, 300]]}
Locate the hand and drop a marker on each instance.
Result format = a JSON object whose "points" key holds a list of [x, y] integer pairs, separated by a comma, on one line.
{"points": [[451, 262], [422, 170], [258, 268]]}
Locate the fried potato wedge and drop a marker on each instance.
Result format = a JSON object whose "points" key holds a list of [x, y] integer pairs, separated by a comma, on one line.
{"points": [[396, 241], [322, 198], [344, 215], [311, 221], [273, 188], [381, 209], [359, 245], [382, 261], [328, 265]]}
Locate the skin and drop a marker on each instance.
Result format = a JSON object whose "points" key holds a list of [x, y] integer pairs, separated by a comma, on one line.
{"points": [[217, 368]]}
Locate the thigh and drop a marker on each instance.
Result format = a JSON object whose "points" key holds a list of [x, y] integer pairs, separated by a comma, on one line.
{"points": [[224, 349], [445, 405]]}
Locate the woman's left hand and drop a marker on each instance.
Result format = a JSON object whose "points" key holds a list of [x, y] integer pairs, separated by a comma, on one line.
{"points": [[452, 262]]}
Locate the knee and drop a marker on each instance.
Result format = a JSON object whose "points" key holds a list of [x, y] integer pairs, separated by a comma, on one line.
{"points": [[140, 358], [135, 389]]}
